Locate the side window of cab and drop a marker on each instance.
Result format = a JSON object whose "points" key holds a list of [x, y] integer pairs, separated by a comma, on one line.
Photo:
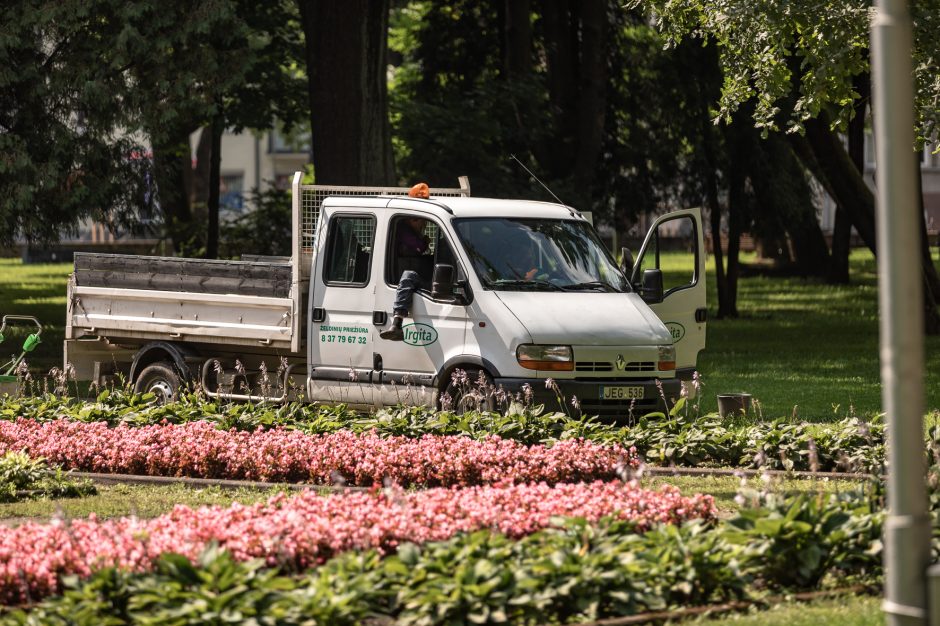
{"points": [[677, 274], [416, 244], [349, 250]]}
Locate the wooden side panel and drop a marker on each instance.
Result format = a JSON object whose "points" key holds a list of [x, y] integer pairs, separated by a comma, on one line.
{"points": [[254, 278]]}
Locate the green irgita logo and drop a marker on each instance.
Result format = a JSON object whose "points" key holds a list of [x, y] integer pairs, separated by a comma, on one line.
{"points": [[677, 331], [419, 334]]}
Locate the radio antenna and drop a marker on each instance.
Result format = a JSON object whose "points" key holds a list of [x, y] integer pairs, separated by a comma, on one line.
{"points": [[536, 178]]}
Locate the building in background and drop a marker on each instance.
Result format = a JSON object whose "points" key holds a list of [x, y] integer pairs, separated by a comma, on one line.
{"points": [[253, 160], [250, 160]]}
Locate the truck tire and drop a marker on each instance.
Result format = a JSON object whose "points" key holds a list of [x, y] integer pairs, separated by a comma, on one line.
{"points": [[465, 396], [160, 379]]}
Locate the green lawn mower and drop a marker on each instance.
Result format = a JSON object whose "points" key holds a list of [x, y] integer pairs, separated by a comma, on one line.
{"points": [[9, 380]]}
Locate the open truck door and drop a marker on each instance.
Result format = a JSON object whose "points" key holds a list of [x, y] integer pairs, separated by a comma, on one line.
{"points": [[674, 292]]}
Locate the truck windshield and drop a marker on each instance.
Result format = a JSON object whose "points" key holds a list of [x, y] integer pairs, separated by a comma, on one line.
{"points": [[518, 254]]}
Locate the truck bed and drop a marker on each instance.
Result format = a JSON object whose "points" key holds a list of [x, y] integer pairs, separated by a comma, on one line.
{"points": [[206, 301]]}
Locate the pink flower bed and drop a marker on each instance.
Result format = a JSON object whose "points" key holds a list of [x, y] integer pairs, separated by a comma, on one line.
{"points": [[300, 531], [200, 450]]}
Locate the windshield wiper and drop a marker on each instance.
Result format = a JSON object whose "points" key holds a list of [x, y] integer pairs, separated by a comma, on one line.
{"points": [[591, 284], [521, 282]]}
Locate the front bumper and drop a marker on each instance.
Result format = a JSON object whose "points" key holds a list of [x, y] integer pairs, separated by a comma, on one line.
{"points": [[590, 400]]}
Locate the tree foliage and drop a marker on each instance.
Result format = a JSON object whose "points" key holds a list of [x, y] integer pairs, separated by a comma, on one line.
{"points": [[84, 86], [797, 59], [476, 82], [61, 159], [798, 65]]}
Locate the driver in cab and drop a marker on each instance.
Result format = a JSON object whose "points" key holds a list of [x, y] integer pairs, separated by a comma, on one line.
{"points": [[410, 248]]}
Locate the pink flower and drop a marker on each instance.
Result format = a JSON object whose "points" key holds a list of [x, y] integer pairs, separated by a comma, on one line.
{"points": [[302, 531], [198, 449]]}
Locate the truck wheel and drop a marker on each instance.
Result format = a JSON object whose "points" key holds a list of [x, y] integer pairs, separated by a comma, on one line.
{"points": [[161, 380], [465, 394]]}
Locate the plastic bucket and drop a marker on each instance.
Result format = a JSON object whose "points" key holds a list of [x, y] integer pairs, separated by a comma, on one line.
{"points": [[734, 404], [9, 385]]}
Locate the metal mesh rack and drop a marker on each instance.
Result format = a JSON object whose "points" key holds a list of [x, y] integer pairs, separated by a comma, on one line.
{"points": [[309, 198]]}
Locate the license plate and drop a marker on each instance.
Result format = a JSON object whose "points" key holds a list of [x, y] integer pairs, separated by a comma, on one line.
{"points": [[622, 393]]}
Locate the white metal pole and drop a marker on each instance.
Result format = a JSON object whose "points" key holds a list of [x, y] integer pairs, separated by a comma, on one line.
{"points": [[900, 284], [296, 259]]}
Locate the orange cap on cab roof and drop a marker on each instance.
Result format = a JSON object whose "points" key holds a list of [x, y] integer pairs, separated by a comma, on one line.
{"points": [[420, 190]]}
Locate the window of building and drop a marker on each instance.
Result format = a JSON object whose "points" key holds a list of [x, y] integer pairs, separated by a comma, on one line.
{"points": [[231, 192], [296, 142]]}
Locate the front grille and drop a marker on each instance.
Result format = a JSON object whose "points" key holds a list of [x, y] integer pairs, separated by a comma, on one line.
{"points": [[606, 366], [593, 366]]}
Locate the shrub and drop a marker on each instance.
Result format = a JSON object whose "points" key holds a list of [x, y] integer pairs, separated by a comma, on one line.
{"points": [[22, 477]]}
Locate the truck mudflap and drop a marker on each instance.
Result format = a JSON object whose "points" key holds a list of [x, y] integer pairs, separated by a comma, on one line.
{"points": [[617, 401]]}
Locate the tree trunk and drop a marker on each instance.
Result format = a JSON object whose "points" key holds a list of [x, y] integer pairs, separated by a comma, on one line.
{"points": [[842, 227], [779, 182], [931, 279], [592, 96], [736, 205], [804, 152], [850, 188], [171, 160], [346, 50], [735, 202], [200, 190], [517, 45], [721, 282], [847, 184], [841, 247], [215, 182], [561, 51], [714, 207]]}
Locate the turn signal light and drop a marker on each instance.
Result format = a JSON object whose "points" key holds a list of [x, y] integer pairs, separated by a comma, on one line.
{"points": [[667, 358]]}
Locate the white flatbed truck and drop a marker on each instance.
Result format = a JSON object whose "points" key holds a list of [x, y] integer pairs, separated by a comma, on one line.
{"points": [[307, 327]]}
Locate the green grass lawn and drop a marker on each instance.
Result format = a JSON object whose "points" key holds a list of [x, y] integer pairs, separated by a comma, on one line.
{"points": [[121, 500], [37, 290], [799, 347], [845, 611], [803, 347], [725, 488]]}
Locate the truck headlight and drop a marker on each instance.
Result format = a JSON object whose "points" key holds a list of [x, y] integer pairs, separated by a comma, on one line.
{"points": [[552, 358], [667, 358]]}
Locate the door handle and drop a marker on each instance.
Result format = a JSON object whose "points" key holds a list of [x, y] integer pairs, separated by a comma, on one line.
{"points": [[701, 315], [319, 314], [379, 318]]}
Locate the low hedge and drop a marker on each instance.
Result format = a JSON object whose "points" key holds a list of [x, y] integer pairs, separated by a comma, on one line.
{"points": [[682, 438]]}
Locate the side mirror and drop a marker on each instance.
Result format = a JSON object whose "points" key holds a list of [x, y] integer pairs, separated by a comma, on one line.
{"points": [[626, 262], [652, 288], [442, 283]]}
